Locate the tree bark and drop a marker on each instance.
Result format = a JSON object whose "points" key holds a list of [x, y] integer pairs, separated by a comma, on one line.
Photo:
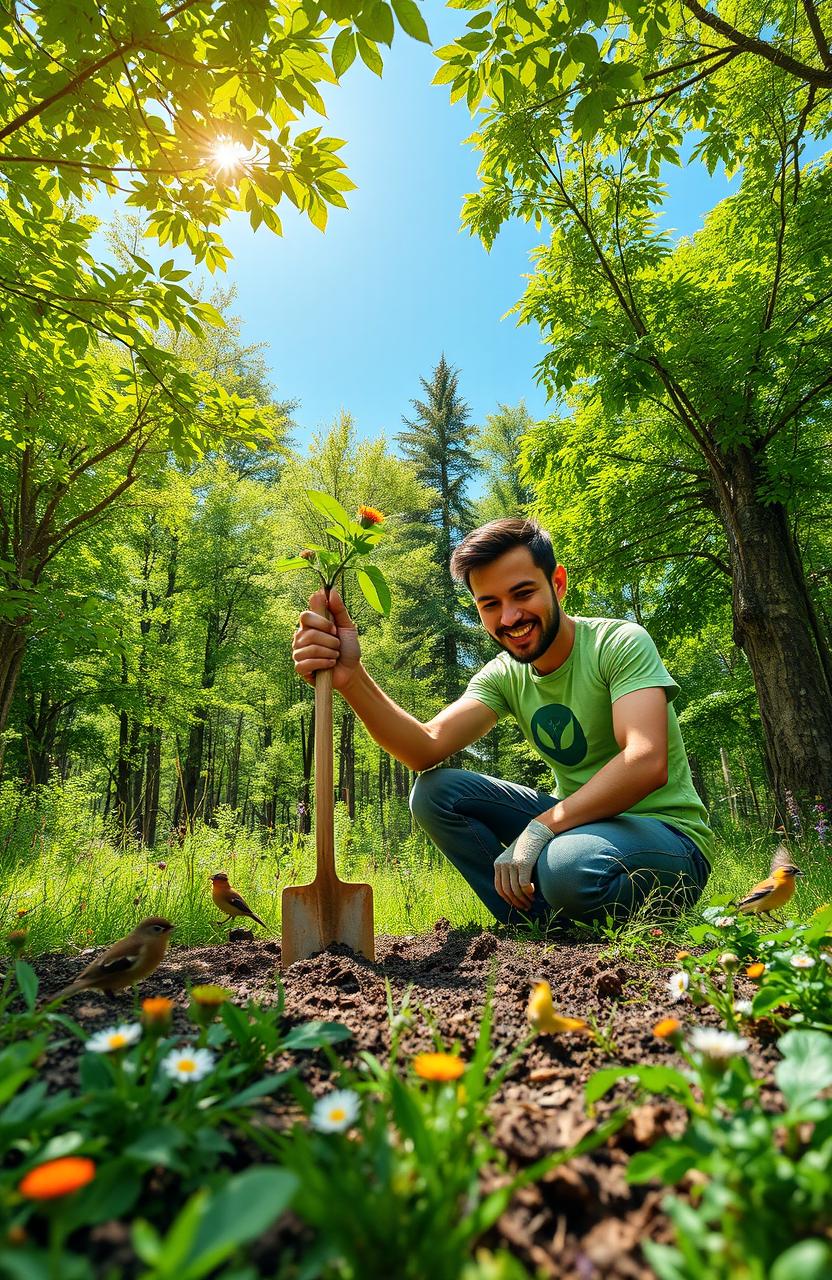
{"points": [[773, 626]]}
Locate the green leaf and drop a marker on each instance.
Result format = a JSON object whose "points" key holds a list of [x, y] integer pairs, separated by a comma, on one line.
{"points": [[284, 563], [237, 1214], [806, 1069], [377, 23], [27, 980], [343, 52], [374, 588], [410, 19], [668, 1161], [808, 1260], [260, 1089], [311, 1035], [330, 507], [370, 55], [654, 1079]]}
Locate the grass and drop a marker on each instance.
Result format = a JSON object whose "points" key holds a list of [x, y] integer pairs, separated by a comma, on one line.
{"points": [[66, 880]]}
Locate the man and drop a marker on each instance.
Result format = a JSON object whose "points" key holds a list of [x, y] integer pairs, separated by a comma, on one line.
{"points": [[593, 698]]}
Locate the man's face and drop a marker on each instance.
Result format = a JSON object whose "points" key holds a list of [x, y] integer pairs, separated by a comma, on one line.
{"points": [[518, 605]]}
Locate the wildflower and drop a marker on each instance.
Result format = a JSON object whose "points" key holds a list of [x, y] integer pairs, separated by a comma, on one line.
{"points": [[188, 1065], [755, 970], [725, 922], [717, 1047], [542, 1016], [678, 984], [729, 961], [115, 1038], [22, 911], [681, 956], [743, 1008], [794, 812], [210, 996], [307, 554], [655, 933], [17, 940], [163, 866], [157, 1011], [335, 1113], [441, 1067], [667, 1028], [368, 516], [57, 1178], [802, 962]]}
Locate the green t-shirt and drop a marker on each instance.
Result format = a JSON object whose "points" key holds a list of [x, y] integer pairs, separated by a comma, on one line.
{"points": [[567, 715]]}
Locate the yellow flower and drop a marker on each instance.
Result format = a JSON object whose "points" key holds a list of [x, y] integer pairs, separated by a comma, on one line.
{"points": [[756, 970], [210, 996], [542, 1016], [57, 1178], [368, 516], [681, 956], [438, 1066], [667, 1028]]}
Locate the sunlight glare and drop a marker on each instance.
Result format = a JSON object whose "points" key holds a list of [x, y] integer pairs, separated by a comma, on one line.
{"points": [[228, 156]]}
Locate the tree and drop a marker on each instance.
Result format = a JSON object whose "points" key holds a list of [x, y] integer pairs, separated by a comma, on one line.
{"points": [[439, 443], [498, 450]]}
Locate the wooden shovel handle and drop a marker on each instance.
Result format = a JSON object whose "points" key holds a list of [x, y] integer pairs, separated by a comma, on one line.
{"points": [[324, 808]]}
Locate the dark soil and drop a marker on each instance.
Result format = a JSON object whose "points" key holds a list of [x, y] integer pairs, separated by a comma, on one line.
{"points": [[583, 1221]]}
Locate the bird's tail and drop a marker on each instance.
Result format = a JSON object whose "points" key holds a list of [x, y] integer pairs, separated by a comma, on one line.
{"points": [[71, 990], [259, 921]]}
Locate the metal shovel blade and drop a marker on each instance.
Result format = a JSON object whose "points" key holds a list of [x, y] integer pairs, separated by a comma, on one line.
{"points": [[315, 915]]}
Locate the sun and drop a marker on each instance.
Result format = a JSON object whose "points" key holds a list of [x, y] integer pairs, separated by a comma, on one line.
{"points": [[228, 156]]}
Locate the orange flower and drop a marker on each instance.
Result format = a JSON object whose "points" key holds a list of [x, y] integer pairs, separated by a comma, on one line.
{"points": [[667, 1028], [157, 1011], [681, 956], [57, 1178], [17, 940], [210, 996], [541, 1013], [368, 516], [756, 970], [438, 1066]]}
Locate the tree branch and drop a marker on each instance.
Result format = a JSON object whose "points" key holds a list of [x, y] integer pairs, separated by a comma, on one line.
{"points": [[816, 29], [752, 44]]}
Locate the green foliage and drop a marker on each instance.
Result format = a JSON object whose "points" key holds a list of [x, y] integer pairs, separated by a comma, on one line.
{"points": [[354, 540]]}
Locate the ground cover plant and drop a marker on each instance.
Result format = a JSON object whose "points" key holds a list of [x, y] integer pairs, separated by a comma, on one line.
{"points": [[525, 1100]]}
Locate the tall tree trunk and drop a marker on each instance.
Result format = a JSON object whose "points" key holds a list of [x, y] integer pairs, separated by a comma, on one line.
{"points": [[152, 774], [234, 764], [772, 624], [192, 770], [12, 648], [346, 761]]}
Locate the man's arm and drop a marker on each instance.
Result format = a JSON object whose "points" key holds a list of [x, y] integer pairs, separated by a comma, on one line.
{"points": [[320, 644], [639, 722]]}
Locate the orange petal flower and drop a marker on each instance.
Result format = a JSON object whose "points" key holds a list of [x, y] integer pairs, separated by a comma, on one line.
{"points": [[157, 1011], [57, 1178], [541, 1013], [438, 1066], [667, 1028], [756, 970], [368, 516], [210, 996]]}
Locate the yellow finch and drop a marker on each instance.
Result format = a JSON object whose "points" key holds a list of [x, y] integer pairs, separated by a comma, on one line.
{"points": [[229, 901], [775, 891], [125, 962]]}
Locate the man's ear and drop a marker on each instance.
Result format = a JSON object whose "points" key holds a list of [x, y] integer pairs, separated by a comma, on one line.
{"points": [[560, 582]]}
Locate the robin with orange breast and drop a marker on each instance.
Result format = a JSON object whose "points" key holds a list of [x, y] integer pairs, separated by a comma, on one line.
{"points": [[776, 890], [229, 900]]}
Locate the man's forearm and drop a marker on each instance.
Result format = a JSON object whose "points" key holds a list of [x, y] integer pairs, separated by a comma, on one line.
{"points": [[613, 790], [400, 734]]}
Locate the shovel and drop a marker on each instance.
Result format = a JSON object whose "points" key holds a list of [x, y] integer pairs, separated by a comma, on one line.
{"points": [[327, 910]]}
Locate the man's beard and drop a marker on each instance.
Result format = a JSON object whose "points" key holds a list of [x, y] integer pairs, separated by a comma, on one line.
{"points": [[548, 634]]}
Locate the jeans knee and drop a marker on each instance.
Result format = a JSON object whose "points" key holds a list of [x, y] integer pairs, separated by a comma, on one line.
{"points": [[431, 794]]}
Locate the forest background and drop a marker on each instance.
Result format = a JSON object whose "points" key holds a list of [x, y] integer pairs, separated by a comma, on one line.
{"points": [[149, 472]]}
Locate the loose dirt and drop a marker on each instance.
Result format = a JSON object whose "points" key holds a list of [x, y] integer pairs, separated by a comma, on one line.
{"points": [[583, 1221]]}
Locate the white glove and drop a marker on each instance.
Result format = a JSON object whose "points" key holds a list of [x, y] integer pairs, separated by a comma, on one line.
{"points": [[513, 868]]}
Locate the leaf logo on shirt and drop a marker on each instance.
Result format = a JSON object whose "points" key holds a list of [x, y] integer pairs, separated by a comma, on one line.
{"points": [[558, 734]]}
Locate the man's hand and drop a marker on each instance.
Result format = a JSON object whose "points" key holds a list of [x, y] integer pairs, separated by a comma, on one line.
{"points": [[318, 644], [513, 869]]}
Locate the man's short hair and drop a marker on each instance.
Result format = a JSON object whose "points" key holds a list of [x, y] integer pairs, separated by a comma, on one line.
{"points": [[494, 539]]}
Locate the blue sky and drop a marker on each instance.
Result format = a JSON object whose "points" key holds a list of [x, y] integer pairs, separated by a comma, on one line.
{"points": [[353, 317]]}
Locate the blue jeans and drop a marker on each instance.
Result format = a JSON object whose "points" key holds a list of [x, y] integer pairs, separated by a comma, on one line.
{"points": [[583, 874]]}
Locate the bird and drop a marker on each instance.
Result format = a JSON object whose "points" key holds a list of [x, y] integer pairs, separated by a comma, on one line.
{"points": [[125, 962], [229, 901], [776, 890]]}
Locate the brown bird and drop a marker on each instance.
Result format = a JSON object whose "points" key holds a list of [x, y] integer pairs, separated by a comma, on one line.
{"points": [[125, 962], [776, 890], [229, 901]]}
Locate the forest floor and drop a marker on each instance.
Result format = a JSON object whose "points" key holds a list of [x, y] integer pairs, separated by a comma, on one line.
{"points": [[584, 1221]]}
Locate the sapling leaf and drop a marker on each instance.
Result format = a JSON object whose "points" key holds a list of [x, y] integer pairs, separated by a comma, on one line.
{"points": [[806, 1068], [330, 507], [374, 588], [311, 1035]]}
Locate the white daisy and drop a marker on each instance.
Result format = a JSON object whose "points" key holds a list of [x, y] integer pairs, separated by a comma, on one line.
{"points": [[743, 1008], [678, 985], [717, 1046], [336, 1112], [725, 922], [802, 962], [188, 1064], [115, 1038]]}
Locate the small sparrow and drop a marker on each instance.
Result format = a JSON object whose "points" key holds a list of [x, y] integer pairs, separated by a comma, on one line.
{"points": [[774, 891], [229, 901], [125, 962]]}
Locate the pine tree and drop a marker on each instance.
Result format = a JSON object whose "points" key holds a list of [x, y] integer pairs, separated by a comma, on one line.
{"points": [[439, 442]]}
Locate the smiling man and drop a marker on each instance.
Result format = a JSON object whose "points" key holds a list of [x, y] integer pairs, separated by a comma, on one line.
{"points": [[592, 697]]}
